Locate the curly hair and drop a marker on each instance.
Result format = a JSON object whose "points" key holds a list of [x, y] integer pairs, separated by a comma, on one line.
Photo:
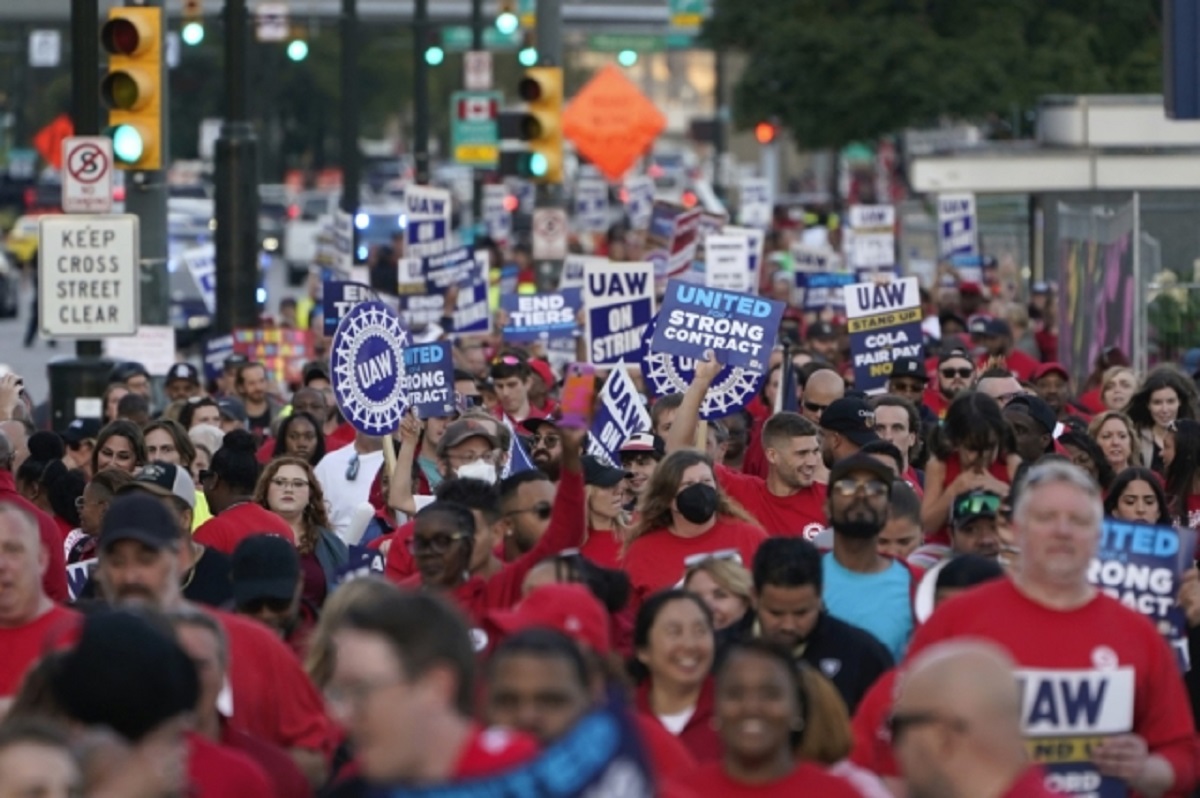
{"points": [[315, 515], [659, 495]]}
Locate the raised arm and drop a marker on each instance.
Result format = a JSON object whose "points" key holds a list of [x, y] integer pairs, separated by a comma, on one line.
{"points": [[400, 489], [687, 418]]}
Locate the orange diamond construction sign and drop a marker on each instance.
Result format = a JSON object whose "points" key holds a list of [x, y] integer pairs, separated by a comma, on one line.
{"points": [[612, 123]]}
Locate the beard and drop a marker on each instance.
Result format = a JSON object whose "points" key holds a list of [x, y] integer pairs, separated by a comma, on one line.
{"points": [[859, 523], [550, 468]]}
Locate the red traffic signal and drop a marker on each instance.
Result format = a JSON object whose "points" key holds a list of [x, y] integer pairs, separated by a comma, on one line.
{"points": [[764, 132]]}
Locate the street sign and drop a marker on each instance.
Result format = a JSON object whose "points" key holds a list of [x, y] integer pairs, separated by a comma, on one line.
{"points": [[474, 135], [87, 174], [271, 22], [457, 39], [616, 42], [477, 70], [527, 13], [45, 48], [549, 234], [88, 276], [688, 14]]}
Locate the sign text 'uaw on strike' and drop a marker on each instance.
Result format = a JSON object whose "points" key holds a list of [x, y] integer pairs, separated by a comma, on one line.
{"points": [[88, 275]]}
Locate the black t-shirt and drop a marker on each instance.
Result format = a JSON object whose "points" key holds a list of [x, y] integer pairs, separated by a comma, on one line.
{"points": [[210, 582], [262, 422]]}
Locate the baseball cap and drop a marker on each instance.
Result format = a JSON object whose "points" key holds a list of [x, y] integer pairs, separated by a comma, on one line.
{"points": [[80, 430], [141, 518], [122, 372], [861, 462], [645, 442], [235, 360], [1038, 410], [183, 371], [951, 354], [543, 370], [532, 425], [232, 409], [163, 479], [970, 288], [820, 329], [1051, 368], [974, 504], [600, 474], [464, 429], [909, 367], [314, 371], [947, 317], [569, 608], [850, 416], [988, 326], [264, 567]]}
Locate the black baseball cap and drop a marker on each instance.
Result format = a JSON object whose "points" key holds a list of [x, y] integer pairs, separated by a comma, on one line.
{"points": [[909, 367], [183, 371], [80, 430], [122, 372], [598, 473], [233, 409], [139, 517], [1038, 410], [820, 330], [972, 505], [264, 567], [853, 417], [956, 352], [862, 462]]}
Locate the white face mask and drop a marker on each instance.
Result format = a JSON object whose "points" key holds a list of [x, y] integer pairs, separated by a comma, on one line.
{"points": [[480, 469]]}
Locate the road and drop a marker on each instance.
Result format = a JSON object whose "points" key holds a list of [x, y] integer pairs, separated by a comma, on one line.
{"points": [[31, 363]]}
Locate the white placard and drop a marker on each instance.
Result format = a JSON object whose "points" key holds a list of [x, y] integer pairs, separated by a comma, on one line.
{"points": [[755, 239], [727, 263], [755, 202], [45, 48], [477, 70], [87, 174], [870, 243], [549, 234], [639, 201], [496, 216], [88, 276], [153, 346], [201, 261], [591, 205], [271, 22], [957, 225]]}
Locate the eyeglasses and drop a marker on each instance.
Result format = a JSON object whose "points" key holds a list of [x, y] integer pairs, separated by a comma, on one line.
{"points": [[438, 544], [542, 510], [352, 468], [357, 694], [962, 373], [977, 504], [849, 487], [813, 407], [292, 484], [900, 722], [277, 606], [471, 457], [548, 441], [907, 387]]}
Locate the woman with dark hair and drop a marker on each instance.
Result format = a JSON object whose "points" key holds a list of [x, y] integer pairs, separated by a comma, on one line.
{"points": [[300, 436], [973, 449], [1181, 456], [1164, 396], [112, 397], [1087, 454], [1137, 495], [229, 485], [684, 513], [119, 445], [760, 711], [54, 490], [674, 645]]}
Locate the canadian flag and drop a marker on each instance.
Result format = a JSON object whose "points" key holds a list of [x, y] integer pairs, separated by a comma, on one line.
{"points": [[476, 109]]}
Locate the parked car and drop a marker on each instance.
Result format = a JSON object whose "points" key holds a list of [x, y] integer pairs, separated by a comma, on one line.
{"points": [[22, 240]]}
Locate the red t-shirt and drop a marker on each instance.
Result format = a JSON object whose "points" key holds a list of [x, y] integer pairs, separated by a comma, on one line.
{"points": [[669, 758], [656, 559], [698, 735], [800, 515], [805, 779], [225, 531], [1091, 672], [492, 750], [279, 766], [22, 646], [54, 581], [399, 564], [602, 547], [872, 746], [342, 436], [1021, 365], [272, 696], [215, 771], [935, 400]]}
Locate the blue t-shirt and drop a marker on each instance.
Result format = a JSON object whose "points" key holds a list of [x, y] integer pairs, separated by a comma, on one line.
{"points": [[880, 603]]}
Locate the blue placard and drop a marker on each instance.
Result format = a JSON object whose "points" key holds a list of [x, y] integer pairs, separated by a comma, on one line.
{"points": [[620, 412], [741, 328], [429, 376], [472, 315], [823, 290], [446, 269], [367, 368], [619, 298], [532, 317], [362, 561], [665, 374], [600, 756], [216, 350], [339, 297]]}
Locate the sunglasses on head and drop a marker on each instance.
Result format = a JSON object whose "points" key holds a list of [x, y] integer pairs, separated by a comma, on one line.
{"points": [[963, 373], [976, 505], [507, 360], [729, 555]]}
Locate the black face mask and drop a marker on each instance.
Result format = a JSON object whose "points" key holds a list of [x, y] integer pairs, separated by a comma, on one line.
{"points": [[697, 503]]}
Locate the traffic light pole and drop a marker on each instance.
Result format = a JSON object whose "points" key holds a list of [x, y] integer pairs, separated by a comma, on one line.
{"points": [[85, 99], [237, 186], [421, 91], [351, 159], [477, 173], [550, 53], [722, 120]]}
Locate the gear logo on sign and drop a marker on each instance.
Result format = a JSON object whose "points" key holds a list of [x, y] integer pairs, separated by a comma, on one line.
{"points": [[367, 367], [733, 388]]}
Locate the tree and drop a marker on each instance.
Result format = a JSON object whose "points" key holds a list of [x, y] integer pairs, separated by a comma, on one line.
{"points": [[833, 71]]}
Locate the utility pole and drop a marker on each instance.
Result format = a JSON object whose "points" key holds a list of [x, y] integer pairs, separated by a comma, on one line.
{"points": [[722, 119], [477, 174], [550, 53], [85, 99], [237, 186], [351, 159], [421, 91]]}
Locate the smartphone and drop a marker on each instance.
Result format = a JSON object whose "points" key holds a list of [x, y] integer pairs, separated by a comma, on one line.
{"points": [[578, 393]]}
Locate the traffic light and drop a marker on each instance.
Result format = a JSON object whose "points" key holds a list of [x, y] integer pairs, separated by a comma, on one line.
{"points": [[539, 126], [507, 20], [132, 88], [764, 132], [193, 22]]}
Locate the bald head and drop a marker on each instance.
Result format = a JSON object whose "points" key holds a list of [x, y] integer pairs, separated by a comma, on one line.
{"points": [[972, 678], [21, 568], [823, 388]]}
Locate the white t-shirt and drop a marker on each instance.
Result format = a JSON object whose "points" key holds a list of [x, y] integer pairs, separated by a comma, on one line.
{"points": [[342, 494], [676, 722]]}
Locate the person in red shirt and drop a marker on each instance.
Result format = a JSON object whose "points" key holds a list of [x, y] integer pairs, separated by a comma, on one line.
{"points": [[684, 515], [956, 726], [955, 373], [54, 576], [1052, 382], [30, 623], [512, 375], [994, 336], [229, 488], [607, 521], [759, 707], [1090, 668], [404, 687], [790, 500], [141, 562]]}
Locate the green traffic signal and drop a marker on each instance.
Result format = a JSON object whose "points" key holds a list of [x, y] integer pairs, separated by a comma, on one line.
{"points": [[297, 50], [435, 55], [192, 33], [507, 23], [528, 56], [128, 145], [627, 58]]}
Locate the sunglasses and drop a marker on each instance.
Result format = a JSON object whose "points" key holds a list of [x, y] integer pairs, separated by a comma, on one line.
{"points": [[963, 373], [548, 441], [352, 468], [728, 555], [274, 605], [900, 722], [849, 487], [976, 505], [542, 510], [438, 544], [813, 407]]}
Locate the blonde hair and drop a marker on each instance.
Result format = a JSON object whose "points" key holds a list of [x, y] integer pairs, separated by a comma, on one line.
{"points": [[1135, 455], [1110, 375], [828, 736], [659, 495], [319, 659], [622, 522], [730, 575]]}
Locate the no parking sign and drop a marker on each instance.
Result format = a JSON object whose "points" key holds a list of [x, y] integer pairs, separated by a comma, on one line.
{"points": [[367, 366]]}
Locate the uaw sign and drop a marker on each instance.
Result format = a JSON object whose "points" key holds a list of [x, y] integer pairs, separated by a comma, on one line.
{"points": [[957, 225], [367, 368], [884, 321], [428, 216]]}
